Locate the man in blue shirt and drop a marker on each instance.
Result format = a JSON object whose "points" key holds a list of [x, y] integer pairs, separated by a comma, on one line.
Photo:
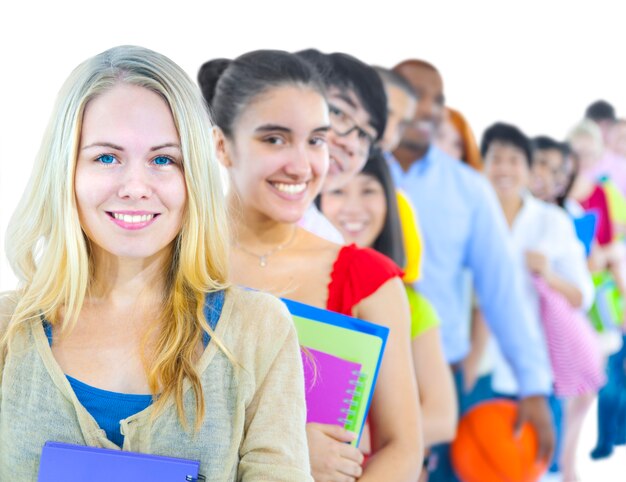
{"points": [[463, 228]]}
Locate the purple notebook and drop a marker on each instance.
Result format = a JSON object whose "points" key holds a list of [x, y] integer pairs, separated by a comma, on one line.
{"points": [[75, 463], [330, 384]]}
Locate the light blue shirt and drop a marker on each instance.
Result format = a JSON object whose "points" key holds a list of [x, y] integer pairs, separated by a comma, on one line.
{"points": [[463, 228]]}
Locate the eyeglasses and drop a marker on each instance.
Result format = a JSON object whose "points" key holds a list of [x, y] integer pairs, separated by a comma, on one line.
{"points": [[342, 125]]}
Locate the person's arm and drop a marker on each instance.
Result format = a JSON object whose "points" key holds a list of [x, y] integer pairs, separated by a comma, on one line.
{"points": [[597, 259], [436, 385], [539, 264], [569, 263], [395, 420], [498, 283], [332, 458], [274, 445]]}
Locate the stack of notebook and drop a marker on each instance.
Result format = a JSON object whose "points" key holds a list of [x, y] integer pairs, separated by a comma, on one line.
{"points": [[341, 357]]}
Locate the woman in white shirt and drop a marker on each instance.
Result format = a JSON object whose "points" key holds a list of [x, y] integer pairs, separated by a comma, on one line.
{"points": [[546, 245]]}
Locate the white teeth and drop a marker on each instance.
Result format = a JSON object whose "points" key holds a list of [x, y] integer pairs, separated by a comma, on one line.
{"points": [[425, 125], [290, 188], [138, 218], [354, 226]]}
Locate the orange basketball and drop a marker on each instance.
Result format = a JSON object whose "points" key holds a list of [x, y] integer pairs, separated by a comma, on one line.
{"points": [[486, 449]]}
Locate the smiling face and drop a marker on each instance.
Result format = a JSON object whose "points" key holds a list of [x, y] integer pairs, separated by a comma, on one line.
{"points": [[277, 157], [129, 181], [449, 140], [348, 153], [400, 109], [430, 106], [587, 149], [506, 167], [357, 210], [548, 174]]}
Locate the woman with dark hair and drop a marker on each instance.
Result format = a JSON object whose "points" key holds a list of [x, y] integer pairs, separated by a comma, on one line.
{"points": [[366, 213], [272, 119], [387, 229]]}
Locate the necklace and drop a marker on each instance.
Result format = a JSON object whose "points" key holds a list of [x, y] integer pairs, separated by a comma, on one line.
{"points": [[263, 257]]}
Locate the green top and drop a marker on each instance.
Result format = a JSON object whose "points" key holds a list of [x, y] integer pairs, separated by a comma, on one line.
{"points": [[423, 313]]}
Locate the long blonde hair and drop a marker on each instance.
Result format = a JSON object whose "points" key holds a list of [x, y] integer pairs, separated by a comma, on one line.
{"points": [[50, 254]]}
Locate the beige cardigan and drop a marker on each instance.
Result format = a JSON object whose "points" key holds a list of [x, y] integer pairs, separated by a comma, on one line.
{"points": [[254, 426]]}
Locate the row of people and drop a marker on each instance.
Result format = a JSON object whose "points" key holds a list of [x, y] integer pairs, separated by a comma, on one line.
{"points": [[131, 220]]}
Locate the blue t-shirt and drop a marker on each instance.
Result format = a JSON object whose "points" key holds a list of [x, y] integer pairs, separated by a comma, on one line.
{"points": [[108, 408]]}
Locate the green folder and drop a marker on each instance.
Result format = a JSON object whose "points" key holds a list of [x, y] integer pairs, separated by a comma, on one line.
{"points": [[348, 338], [608, 307]]}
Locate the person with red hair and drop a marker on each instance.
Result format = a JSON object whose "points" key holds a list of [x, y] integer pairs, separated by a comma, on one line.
{"points": [[455, 137]]}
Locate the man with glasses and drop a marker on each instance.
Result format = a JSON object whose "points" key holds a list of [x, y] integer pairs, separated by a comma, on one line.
{"points": [[358, 115]]}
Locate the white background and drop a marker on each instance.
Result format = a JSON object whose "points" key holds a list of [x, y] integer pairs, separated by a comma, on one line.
{"points": [[534, 63]]}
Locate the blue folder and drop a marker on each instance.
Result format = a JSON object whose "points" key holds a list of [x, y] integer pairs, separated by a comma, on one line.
{"points": [[75, 463], [586, 229]]}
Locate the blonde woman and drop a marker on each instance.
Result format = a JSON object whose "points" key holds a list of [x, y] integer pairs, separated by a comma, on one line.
{"points": [[124, 332]]}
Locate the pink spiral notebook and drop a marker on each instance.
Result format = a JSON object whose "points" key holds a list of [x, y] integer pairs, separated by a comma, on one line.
{"points": [[332, 388]]}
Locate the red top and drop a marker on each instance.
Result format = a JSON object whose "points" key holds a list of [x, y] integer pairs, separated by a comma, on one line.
{"points": [[357, 273], [597, 202]]}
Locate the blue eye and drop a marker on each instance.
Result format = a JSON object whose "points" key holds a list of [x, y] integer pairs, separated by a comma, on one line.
{"points": [[106, 159], [162, 161]]}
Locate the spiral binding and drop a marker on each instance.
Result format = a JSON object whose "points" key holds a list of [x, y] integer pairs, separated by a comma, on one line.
{"points": [[353, 401]]}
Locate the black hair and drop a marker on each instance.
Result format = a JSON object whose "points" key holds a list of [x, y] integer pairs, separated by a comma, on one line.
{"points": [[600, 110], [573, 158], [389, 77], [229, 85], [348, 73], [390, 241], [506, 134], [544, 143]]}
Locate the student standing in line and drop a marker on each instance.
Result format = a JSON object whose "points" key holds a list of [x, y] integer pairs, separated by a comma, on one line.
{"points": [[273, 121], [463, 228], [608, 254], [548, 250], [124, 332], [358, 114], [365, 212]]}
